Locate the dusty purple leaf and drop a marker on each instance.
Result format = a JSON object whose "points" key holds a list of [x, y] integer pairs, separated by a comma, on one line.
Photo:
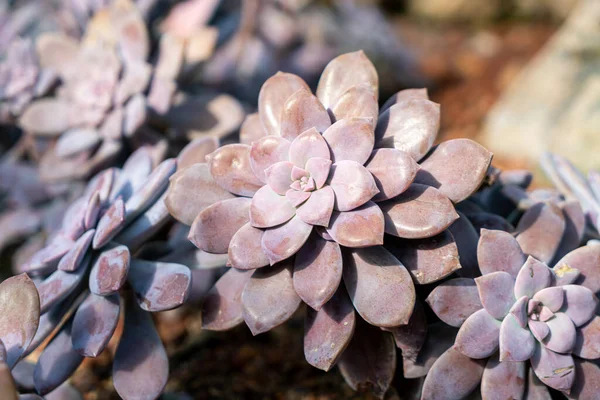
{"points": [[46, 260], [307, 145], [63, 392], [410, 338], [587, 342], [245, 249], [362, 227], [110, 270], [196, 151], [562, 334], [535, 389], [503, 380], [552, 297], [266, 152], [57, 363], [94, 323], [283, 241], [580, 304], [328, 331], [269, 298], [317, 271], [499, 251], [369, 362], [410, 126], [574, 228], [230, 167], [440, 337], [379, 286], [587, 380], [455, 300], [77, 140], [420, 212], [141, 367], [466, 239], [110, 224], [554, 369], [60, 284], [452, 377], [403, 95], [478, 335], [496, 291], [72, 260], [357, 102], [456, 168], [302, 111], [353, 185], [350, 139], [215, 226], [516, 342], [269, 209], [533, 277], [272, 99], [251, 129], [19, 316], [393, 171], [579, 267], [428, 260], [318, 209], [541, 230], [222, 306]]}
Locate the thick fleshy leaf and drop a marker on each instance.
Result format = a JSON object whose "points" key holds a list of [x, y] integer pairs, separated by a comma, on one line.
{"points": [[196, 151], [110, 270], [455, 300], [192, 190], [580, 267], [420, 212], [222, 306], [496, 291], [456, 168], [552, 297], [440, 337], [353, 185], [587, 342], [46, 117], [535, 389], [251, 129], [63, 392], [539, 329], [428, 260], [466, 239], [46, 259], [484, 220], [159, 286], [503, 380], [328, 331], [245, 249], [540, 231], [478, 335], [214, 227], [580, 304], [562, 334], [516, 342], [499, 251], [554, 369], [520, 310], [110, 224], [379, 286], [76, 140], [369, 362], [279, 176], [269, 209], [308, 144], [59, 285], [574, 228], [350, 139], [452, 377], [403, 95], [410, 337], [269, 298], [362, 227], [57, 363], [19, 316], [533, 277], [284, 241], [393, 171], [72, 260], [357, 102], [94, 324], [318, 169], [587, 380], [266, 152], [317, 271], [141, 367], [317, 210], [302, 111], [410, 126], [272, 99], [230, 167]]}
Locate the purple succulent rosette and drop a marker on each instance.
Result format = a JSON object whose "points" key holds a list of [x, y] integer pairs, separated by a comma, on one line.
{"points": [[519, 310], [309, 202], [89, 270]]}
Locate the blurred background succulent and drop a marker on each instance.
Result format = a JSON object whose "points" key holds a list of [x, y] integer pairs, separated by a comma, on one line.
{"points": [[309, 202]]}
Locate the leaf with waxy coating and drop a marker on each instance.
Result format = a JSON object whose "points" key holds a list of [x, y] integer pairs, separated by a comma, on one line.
{"points": [[57, 363], [587, 380], [350, 139], [222, 306], [110, 271], [587, 342], [196, 151], [379, 286], [440, 337], [499, 251], [269, 298], [478, 335], [580, 267], [245, 249], [60, 284], [393, 171], [455, 300], [410, 337], [94, 323], [369, 361], [554, 369], [533, 277], [19, 316], [496, 292], [516, 342], [361, 227], [272, 98], [503, 380], [328, 331], [302, 111], [72, 260], [230, 167], [141, 366], [541, 230], [283, 241], [580, 304], [159, 286]]}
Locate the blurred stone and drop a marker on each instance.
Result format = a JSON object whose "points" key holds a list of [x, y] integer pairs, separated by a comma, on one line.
{"points": [[553, 105]]}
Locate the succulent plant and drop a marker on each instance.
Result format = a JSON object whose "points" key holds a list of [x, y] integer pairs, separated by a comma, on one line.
{"points": [[89, 267], [309, 203], [111, 97], [519, 310]]}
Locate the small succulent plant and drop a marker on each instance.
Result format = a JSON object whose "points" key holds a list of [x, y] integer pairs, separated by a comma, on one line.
{"points": [[88, 268], [309, 202], [518, 310]]}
